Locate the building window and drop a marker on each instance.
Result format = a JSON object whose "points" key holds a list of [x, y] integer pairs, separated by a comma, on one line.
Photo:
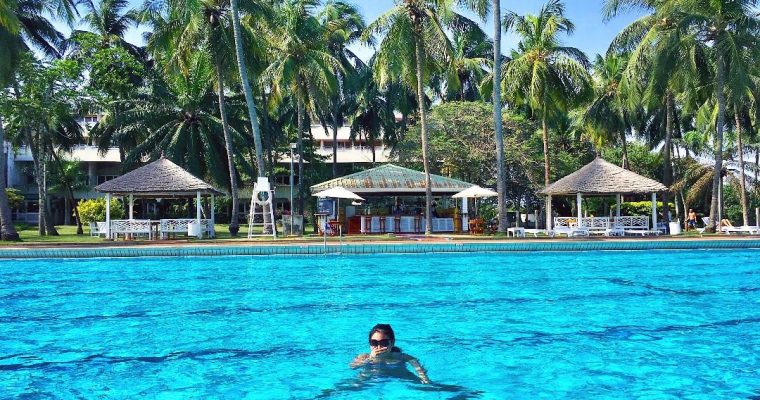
{"points": [[105, 178]]}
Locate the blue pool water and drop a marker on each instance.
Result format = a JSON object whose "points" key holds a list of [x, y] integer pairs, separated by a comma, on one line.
{"points": [[586, 325]]}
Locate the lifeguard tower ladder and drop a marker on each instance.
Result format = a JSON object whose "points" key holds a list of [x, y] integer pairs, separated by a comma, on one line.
{"points": [[261, 199]]}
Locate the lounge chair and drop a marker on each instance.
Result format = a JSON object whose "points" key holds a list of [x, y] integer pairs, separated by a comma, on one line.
{"points": [[726, 227]]}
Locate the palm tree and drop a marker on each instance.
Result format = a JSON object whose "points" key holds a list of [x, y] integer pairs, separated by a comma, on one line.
{"points": [[725, 27], [412, 62], [606, 116], [498, 125], [371, 114], [181, 124], [252, 8], [301, 65], [343, 25], [7, 230], [472, 53], [202, 25], [110, 20], [542, 73]]}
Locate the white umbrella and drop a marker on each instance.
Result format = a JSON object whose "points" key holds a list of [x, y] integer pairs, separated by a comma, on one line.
{"points": [[338, 192], [475, 192]]}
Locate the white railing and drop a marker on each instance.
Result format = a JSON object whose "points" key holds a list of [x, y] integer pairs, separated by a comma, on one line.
{"points": [[131, 227], [179, 225], [632, 222]]}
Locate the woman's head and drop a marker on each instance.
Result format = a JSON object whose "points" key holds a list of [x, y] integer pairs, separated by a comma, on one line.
{"points": [[382, 336]]}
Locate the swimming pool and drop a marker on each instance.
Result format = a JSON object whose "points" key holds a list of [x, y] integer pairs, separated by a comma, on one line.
{"points": [[657, 324]]}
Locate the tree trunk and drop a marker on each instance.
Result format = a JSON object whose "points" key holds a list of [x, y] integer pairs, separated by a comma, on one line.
{"points": [[7, 230], [545, 137], [234, 225], [49, 224], [249, 100], [498, 128], [423, 132], [742, 181], [300, 115], [720, 96], [335, 115], [624, 144], [667, 167]]}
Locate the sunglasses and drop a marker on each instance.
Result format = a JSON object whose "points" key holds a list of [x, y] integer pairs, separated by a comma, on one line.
{"points": [[380, 343]]}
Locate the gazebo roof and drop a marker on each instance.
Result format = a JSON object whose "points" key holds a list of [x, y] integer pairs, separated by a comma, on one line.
{"points": [[391, 179], [603, 178], [161, 177]]}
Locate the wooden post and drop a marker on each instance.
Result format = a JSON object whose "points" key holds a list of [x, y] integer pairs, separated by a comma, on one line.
{"points": [[549, 212], [618, 200], [579, 200]]}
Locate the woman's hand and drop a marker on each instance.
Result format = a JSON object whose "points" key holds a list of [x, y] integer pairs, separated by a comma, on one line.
{"points": [[377, 351]]}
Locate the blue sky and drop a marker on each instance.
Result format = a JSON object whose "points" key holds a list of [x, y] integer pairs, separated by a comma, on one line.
{"points": [[592, 34]]}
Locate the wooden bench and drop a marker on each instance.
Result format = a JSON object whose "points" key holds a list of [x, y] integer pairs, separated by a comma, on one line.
{"points": [[635, 225]]}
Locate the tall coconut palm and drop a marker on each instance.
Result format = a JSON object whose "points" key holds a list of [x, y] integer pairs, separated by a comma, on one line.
{"points": [[725, 27], [543, 73], [415, 45], [252, 8], [606, 115], [181, 125], [343, 25], [7, 230], [302, 65], [498, 125], [194, 25], [110, 20]]}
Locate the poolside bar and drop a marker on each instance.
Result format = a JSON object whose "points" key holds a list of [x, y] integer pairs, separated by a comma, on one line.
{"points": [[394, 202]]}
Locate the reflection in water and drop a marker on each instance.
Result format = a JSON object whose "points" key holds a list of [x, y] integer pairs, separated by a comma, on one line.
{"points": [[375, 374]]}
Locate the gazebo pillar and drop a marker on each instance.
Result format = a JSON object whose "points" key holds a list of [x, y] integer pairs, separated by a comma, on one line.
{"points": [[213, 218], [108, 215], [131, 206], [579, 200], [654, 211], [549, 212], [198, 213], [618, 199]]}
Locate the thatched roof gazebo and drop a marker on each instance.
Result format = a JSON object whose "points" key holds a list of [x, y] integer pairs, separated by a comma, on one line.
{"points": [[159, 179], [602, 178]]}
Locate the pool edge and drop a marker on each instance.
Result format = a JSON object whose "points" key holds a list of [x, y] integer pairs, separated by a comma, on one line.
{"points": [[374, 248]]}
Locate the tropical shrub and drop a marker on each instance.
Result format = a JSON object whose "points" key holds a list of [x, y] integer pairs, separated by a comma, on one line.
{"points": [[94, 210], [640, 207], [15, 198]]}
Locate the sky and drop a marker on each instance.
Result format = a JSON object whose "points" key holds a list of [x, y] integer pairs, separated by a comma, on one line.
{"points": [[592, 34]]}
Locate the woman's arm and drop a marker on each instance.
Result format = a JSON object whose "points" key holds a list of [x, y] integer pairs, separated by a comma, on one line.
{"points": [[360, 360], [418, 367]]}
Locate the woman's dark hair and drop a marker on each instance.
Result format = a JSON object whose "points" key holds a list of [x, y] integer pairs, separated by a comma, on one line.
{"points": [[388, 331]]}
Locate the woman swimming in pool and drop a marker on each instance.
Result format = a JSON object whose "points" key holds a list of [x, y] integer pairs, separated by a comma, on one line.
{"points": [[382, 343]]}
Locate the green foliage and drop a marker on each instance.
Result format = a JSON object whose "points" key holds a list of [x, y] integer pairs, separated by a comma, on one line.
{"points": [[113, 71], [15, 198], [462, 143], [640, 207], [94, 210], [641, 160]]}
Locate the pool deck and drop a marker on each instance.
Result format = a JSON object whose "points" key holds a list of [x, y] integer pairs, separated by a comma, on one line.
{"points": [[407, 244]]}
